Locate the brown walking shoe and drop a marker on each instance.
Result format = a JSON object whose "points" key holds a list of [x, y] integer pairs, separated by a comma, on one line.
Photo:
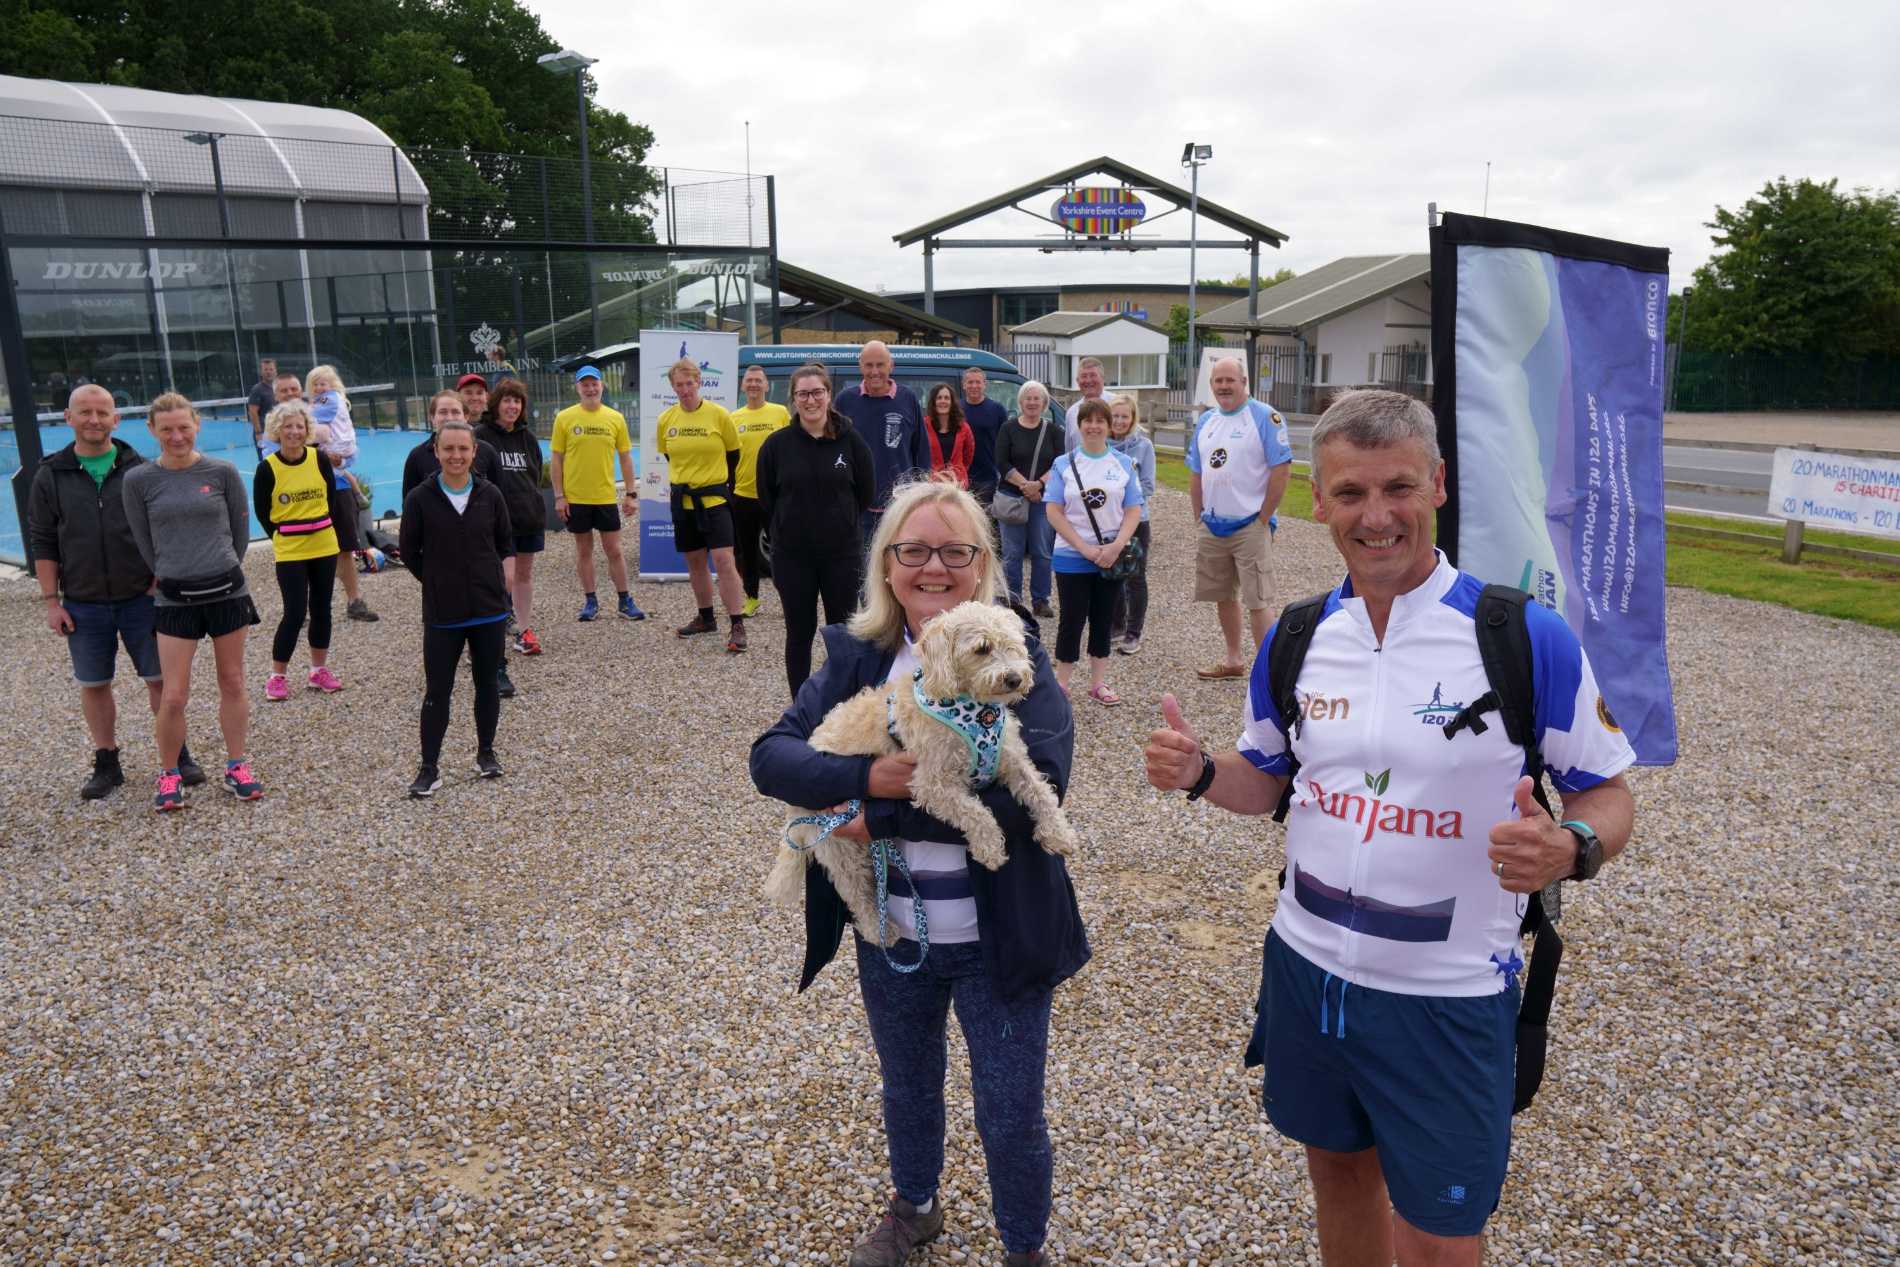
{"points": [[735, 643], [697, 625], [901, 1230]]}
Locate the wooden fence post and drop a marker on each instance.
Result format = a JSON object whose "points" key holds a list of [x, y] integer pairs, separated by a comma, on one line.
{"points": [[1791, 541]]}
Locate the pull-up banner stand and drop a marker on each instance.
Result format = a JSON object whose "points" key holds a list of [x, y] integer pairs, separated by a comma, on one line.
{"points": [[717, 355], [1548, 355]]}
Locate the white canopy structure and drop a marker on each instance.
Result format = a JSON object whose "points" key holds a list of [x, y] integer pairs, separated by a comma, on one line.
{"points": [[101, 160]]}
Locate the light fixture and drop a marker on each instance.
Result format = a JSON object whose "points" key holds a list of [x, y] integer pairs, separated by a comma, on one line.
{"points": [[564, 62]]}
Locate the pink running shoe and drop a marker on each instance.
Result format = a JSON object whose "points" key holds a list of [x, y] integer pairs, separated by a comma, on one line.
{"points": [[276, 689], [168, 796], [240, 782], [321, 679]]}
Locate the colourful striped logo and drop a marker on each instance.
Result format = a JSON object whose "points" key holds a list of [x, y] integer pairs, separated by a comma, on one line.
{"points": [[1099, 210]]}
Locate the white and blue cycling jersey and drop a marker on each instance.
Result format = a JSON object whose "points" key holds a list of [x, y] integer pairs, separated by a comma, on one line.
{"points": [[1104, 485], [1388, 883], [1234, 454]]}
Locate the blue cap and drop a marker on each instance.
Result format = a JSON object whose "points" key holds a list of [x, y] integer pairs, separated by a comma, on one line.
{"points": [[586, 371]]}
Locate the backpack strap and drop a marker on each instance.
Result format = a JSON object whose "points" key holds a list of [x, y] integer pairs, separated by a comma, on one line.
{"points": [[1504, 643], [1286, 653]]}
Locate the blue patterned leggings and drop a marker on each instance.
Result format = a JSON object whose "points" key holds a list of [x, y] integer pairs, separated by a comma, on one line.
{"points": [[1009, 1046]]}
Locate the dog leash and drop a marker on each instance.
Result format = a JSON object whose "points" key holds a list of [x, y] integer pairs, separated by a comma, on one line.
{"points": [[883, 853]]}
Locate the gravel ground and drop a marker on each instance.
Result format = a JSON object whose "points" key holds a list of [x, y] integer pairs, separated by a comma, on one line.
{"points": [[548, 1020]]}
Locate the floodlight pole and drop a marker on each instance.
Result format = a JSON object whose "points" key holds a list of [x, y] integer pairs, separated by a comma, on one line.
{"points": [[1192, 156]]}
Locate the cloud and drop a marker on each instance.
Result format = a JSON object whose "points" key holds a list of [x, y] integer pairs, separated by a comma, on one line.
{"points": [[1336, 124]]}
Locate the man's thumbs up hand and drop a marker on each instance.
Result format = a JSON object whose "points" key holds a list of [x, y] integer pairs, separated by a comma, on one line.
{"points": [[1173, 753]]}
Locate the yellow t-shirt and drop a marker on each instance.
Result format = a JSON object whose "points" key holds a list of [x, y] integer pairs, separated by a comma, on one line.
{"points": [[587, 441], [754, 426], [695, 445]]}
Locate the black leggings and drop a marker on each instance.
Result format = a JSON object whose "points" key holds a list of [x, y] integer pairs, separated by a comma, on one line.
{"points": [[1084, 596], [441, 652], [306, 585], [747, 523], [801, 582], [1131, 609]]}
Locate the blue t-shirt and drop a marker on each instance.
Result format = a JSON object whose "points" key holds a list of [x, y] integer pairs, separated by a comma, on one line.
{"points": [[894, 428], [986, 418], [1079, 483]]}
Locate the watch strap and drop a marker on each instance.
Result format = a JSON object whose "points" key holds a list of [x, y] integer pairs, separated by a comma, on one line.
{"points": [[1206, 780]]}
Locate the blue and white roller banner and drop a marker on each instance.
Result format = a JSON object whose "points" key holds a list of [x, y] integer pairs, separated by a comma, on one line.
{"points": [[717, 355], [1548, 360]]}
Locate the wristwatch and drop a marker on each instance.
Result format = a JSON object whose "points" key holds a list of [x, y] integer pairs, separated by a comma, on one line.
{"points": [[1589, 849], [1206, 780]]}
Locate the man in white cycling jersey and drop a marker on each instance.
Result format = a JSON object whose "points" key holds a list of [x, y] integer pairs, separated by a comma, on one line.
{"points": [[1389, 990]]}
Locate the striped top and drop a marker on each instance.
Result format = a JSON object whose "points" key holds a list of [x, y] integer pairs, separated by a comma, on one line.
{"points": [[941, 871]]}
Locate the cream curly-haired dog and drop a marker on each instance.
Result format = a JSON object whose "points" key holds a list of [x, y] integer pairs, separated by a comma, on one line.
{"points": [[972, 664]]}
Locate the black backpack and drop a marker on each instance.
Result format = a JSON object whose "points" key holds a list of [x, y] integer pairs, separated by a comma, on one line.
{"points": [[1504, 643]]}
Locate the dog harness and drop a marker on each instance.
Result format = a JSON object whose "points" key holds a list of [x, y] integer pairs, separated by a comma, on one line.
{"points": [[979, 725]]}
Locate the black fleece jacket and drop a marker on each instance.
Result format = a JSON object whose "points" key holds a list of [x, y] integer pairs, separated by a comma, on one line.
{"points": [[82, 526], [812, 490], [457, 554]]}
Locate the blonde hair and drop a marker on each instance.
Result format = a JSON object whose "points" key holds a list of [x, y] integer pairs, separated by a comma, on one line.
{"points": [[279, 414], [325, 374], [685, 364], [166, 402], [880, 618], [1133, 407]]}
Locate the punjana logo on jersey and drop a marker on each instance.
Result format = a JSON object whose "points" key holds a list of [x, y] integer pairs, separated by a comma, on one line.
{"points": [[1374, 813], [1437, 712]]}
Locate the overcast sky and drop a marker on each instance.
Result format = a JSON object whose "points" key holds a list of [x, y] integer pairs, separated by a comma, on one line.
{"points": [[1334, 122]]}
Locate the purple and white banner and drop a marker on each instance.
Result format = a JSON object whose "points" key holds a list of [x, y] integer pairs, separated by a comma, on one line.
{"points": [[1548, 355]]}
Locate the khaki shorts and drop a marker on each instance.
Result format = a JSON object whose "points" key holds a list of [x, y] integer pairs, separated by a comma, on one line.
{"points": [[1229, 568]]}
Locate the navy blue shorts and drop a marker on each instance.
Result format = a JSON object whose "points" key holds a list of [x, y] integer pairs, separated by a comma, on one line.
{"points": [[530, 542], [1426, 1080], [99, 628]]}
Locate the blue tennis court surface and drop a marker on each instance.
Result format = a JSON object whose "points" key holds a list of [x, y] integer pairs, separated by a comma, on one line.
{"points": [[380, 455]]}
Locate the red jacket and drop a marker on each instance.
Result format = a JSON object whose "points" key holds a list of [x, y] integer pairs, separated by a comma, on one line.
{"points": [[962, 452]]}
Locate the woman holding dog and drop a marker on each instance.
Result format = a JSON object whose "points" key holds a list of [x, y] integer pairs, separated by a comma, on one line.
{"points": [[999, 941]]}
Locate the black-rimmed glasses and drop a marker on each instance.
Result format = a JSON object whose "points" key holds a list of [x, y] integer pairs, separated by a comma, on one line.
{"points": [[811, 393], [915, 554]]}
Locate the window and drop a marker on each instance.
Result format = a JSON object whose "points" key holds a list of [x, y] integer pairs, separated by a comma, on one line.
{"points": [[1132, 370], [1065, 370], [1372, 367], [1325, 367], [1017, 309]]}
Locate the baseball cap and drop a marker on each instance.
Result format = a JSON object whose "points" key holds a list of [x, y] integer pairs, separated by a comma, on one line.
{"points": [[466, 379], [586, 371]]}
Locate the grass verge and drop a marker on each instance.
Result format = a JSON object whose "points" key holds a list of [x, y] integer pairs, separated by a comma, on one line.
{"points": [[1850, 589]]}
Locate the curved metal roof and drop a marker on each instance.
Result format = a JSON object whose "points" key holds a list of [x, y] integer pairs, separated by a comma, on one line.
{"points": [[102, 136]]}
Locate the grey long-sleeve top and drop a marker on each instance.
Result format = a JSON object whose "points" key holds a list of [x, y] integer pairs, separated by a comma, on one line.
{"points": [[188, 523]]}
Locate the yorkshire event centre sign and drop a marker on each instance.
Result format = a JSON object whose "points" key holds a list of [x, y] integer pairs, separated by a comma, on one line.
{"points": [[1099, 210]]}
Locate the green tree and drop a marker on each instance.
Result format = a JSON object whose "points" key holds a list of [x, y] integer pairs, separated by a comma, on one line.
{"points": [[1802, 268], [452, 81], [1241, 279]]}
